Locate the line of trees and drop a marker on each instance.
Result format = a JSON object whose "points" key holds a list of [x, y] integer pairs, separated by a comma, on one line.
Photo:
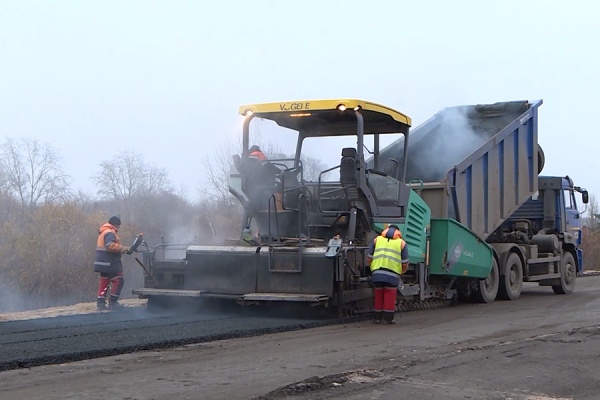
{"points": [[49, 231]]}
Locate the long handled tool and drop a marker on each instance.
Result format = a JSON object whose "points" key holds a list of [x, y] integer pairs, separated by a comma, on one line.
{"points": [[139, 240], [147, 271]]}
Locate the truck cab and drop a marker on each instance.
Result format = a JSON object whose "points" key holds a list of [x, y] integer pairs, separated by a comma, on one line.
{"points": [[568, 217]]}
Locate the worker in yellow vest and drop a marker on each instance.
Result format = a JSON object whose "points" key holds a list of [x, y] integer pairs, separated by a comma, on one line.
{"points": [[389, 260]]}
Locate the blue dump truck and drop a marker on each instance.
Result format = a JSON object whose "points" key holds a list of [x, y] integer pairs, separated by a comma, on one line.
{"points": [[464, 188]]}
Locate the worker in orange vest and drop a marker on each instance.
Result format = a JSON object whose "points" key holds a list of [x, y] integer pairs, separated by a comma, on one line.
{"points": [[108, 264], [256, 153]]}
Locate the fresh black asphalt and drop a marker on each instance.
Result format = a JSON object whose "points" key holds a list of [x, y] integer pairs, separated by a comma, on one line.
{"points": [[42, 341]]}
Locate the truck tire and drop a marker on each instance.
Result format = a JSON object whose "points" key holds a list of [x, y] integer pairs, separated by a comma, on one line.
{"points": [[511, 281], [568, 274], [487, 289]]}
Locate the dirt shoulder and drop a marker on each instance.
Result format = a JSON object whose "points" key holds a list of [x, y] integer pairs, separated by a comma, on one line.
{"points": [[76, 309]]}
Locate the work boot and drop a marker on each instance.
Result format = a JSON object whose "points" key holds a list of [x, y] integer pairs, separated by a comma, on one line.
{"points": [[115, 305], [101, 304], [377, 315], [388, 317]]}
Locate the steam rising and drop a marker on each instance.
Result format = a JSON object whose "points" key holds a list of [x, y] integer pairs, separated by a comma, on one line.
{"points": [[446, 145], [451, 135]]}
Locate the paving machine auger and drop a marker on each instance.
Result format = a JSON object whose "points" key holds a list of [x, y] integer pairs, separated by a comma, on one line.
{"points": [[479, 228]]}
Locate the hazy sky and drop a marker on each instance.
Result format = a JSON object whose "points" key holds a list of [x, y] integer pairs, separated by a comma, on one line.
{"points": [[166, 78]]}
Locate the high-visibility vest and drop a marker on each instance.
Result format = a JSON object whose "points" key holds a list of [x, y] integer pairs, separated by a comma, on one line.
{"points": [[107, 261], [257, 155], [388, 254]]}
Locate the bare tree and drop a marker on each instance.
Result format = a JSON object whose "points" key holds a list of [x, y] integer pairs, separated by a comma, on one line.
{"points": [[32, 172], [312, 167], [221, 211], [218, 166], [130, 181], [129, 176], [593, 212]]}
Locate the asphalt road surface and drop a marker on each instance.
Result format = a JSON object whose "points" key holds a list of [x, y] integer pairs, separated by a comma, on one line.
{"points": [[55, 340], [542, 346]]}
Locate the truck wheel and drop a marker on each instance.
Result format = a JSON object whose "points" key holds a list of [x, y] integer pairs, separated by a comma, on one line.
{"points": [[487, 288], [568, 273], [511, 283]]}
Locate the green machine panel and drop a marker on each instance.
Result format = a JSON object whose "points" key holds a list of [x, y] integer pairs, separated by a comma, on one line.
{"points": [[414, 229], [456, 251]]}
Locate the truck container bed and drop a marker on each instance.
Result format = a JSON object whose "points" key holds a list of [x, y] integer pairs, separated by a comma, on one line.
{"points": [[486, 165]]}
